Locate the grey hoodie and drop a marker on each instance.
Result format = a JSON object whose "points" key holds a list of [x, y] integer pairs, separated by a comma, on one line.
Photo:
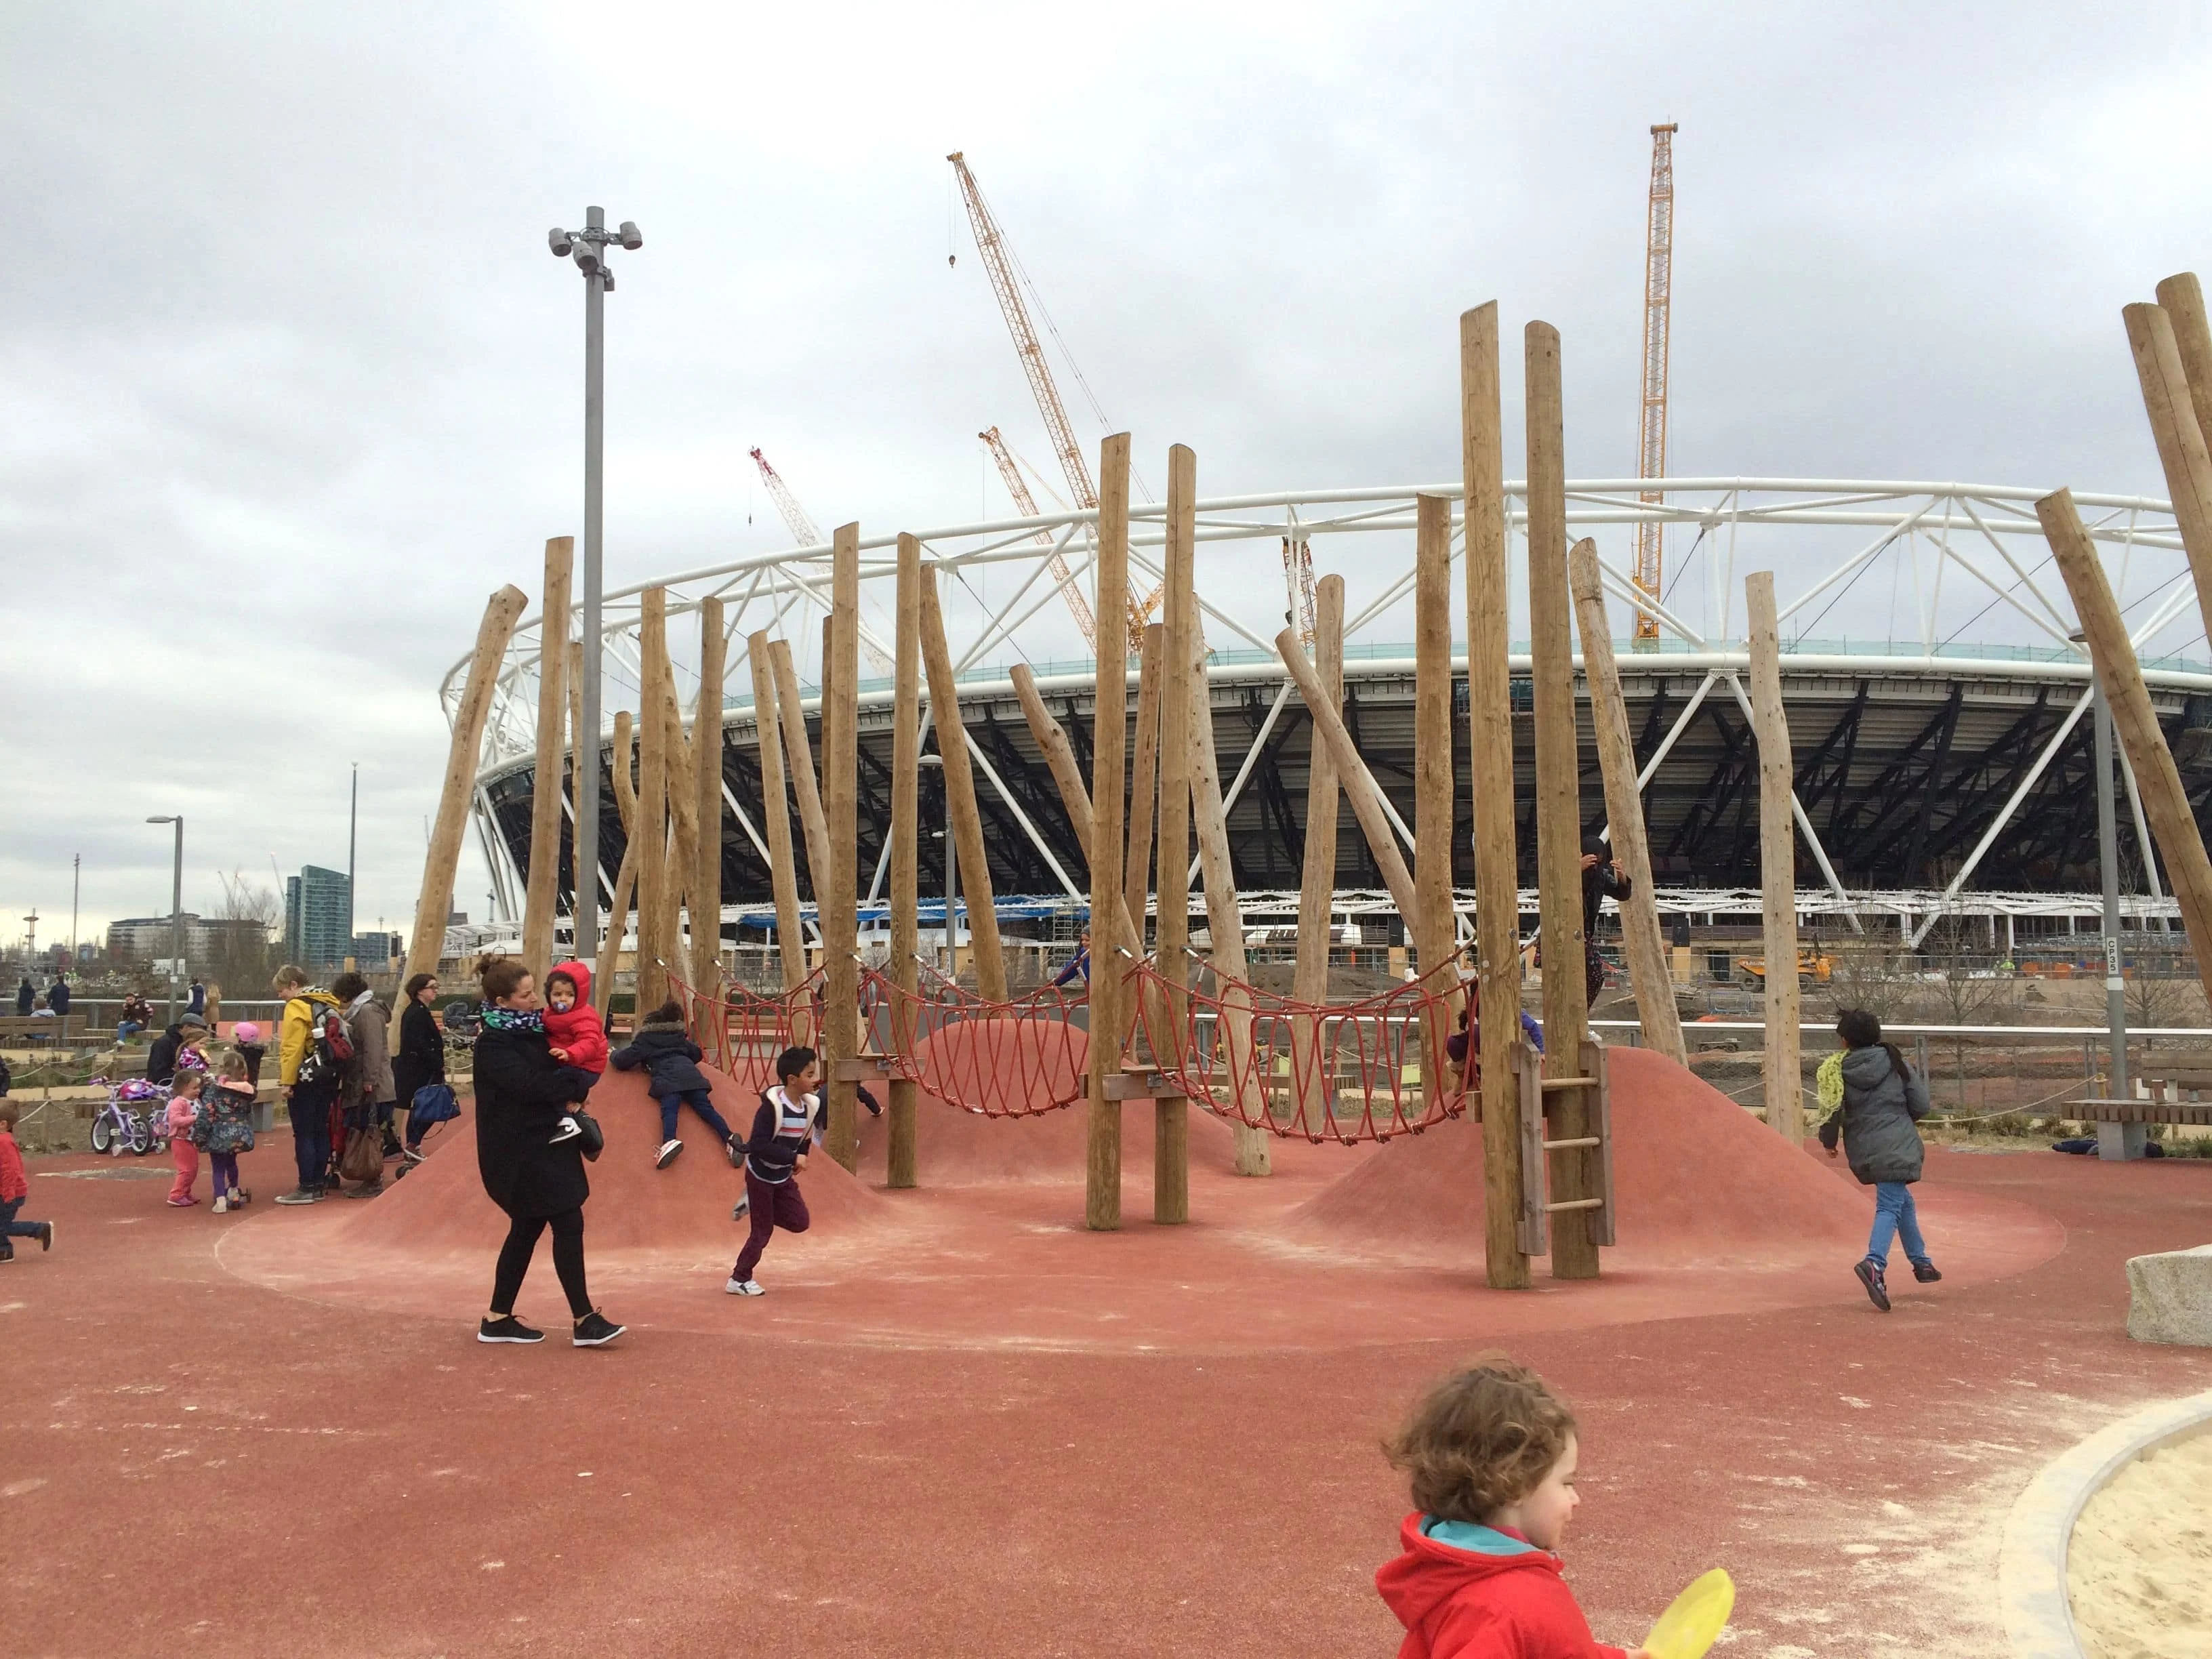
{"points": [[1881, 1106]]}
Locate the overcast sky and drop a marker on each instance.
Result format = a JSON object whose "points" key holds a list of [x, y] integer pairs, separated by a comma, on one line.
{"points": [[291, 382]]}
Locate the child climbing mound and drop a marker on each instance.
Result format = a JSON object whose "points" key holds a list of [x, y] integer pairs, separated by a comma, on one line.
{"points": [[1884, 1101], [1490, 1453], [671, 1060]]}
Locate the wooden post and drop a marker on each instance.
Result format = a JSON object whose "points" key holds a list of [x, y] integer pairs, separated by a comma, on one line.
{"points": [[1435, 939], [841, 735], [682, 835], [1352, 776], [436, 901], [1317, 876], [1059, 760], [1646, 947], [1778, 861], [960, 791], [2182, 299], [1559, 805], [783, 867], [707, 819], [650, 829], [603, 971], [1490, 731], [542, 890], [899, 1160], [798, 758], [2169, 399], [2165, 802], [1144, 779], [1179, 660], [1101, 1201]]}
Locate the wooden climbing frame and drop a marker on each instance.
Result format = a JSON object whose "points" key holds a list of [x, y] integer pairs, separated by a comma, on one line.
{"points": [[1538, 1092]]}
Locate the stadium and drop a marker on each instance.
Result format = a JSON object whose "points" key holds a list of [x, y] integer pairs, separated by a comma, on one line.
{"points": [[1939, 711]]}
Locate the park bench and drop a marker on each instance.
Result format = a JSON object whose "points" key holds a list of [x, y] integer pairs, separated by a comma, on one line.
{"points": [[2166, 1078], [60, 1030]]}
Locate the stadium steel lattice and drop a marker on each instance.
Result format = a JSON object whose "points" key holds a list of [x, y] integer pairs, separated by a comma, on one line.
{"points": [[1932, 775]]}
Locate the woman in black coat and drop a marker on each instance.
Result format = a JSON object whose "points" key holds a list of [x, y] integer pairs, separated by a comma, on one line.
{"points": [[522, 1093], [420, 1059]]}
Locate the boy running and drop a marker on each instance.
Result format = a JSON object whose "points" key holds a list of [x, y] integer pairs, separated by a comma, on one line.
{"points": [[773, 1156]]}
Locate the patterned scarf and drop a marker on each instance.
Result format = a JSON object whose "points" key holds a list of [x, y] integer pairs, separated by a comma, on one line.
{"points": [[497, 1018]]}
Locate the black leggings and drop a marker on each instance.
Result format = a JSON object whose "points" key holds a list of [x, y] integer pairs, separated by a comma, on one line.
{"points": [[567, 1259]]}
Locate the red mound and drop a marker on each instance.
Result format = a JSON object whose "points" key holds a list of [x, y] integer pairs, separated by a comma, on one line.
{"points": [[1696, 1177], [441, 1206], [957, 1147]]}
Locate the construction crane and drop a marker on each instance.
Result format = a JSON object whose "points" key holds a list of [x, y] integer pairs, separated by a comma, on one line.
{"points": [[999, 260], [804, 534], [1651, 413], [1061, 575], [1298, 586]]}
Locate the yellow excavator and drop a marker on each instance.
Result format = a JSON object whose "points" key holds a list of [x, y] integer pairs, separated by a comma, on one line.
{"points": [[1813, 966]]}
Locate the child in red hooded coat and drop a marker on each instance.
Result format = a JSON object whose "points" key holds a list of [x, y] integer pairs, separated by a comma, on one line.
{"points": [[575, 1032], [1490, 1455]]}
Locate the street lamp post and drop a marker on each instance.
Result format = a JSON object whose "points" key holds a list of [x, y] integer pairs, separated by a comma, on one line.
{"points": [[951, 875], [176, 911], [588, 248], [2114, 1140]]}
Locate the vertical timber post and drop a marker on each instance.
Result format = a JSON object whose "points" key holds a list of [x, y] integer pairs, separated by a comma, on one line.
{"points": [[2170, 401], [1432, 931], [1646, 947], [1101, 1204], [1559, 805], [1313, 1062], [775, 804], [1144, 780], [960, 786], [841, 733], [900, 1167], [799, 760], [542, 888], [706, 764], [1170, 1151], [625, 792], [1490, 733], [1778, 862]]}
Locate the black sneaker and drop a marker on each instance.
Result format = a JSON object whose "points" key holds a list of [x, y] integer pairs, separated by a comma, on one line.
{"points": [[1871, 1276], [1925, 1272], [596, 1330], [737, 1153], [301, 1196], [46, 1235], [507, 1330], [391, 1148]]}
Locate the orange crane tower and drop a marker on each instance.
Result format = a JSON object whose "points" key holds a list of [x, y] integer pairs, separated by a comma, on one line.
{"points": [[1061, 575], [1651, 413]]}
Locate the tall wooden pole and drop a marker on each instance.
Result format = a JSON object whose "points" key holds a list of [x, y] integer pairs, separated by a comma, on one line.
{"points": [[625, 792], [1646, 945], [1179, 666], [1059, 760], [434, 902], [1778, 861], [1435, 938], [1144, 779], [2169, 400], [682, 835], [707, 764], [542, 891], [900, 1161], [1317, 874], [840, 734], [960, 792], [1490, 731], [776, 807], [2182, 298], [651, 828], [1358, 783], [1101, 1204], [1558, 804], [2165, 802], [798, 758]]}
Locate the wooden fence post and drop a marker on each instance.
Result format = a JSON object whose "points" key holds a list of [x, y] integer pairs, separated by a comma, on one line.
{"points": [[1102, 1204], [901, 1166], [1778, 862], [960, 790], [1642, 941], [841, 733], [1314, 1062], [434, 902], [542, 887]]}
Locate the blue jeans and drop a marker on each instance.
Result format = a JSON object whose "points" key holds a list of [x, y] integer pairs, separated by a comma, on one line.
{"points": [[1895, 1213], [11, 1228], [311, 1132], [700, 1102], [127, 1030]]}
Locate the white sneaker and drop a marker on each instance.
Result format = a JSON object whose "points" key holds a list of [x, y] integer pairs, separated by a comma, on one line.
{"points": [[668, 1151], [222, 1205], [744, 1287], [739, 1209], [569, 1130]]}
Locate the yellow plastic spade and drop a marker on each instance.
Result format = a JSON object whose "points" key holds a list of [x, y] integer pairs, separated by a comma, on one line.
{"points": [[1691, 1626]]}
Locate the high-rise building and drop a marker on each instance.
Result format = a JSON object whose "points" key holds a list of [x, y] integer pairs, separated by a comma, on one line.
{"points": [[316, 913], [372, 951]]}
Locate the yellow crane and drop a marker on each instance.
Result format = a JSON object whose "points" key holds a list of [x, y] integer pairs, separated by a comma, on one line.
{"points": [[1651, 411]]}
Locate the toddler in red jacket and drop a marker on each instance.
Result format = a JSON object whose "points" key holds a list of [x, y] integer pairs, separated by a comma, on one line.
{"points": [[575, 1032], [1490, 1453], [14, 1188]]}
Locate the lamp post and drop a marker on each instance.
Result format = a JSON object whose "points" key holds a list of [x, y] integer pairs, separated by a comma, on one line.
{"points": [[588, 248], [952, 873], [2114, 1140], [176, 910]]}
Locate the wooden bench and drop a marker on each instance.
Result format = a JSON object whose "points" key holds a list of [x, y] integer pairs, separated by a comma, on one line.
{"points": [[63, 1030], [2167, 1077]]}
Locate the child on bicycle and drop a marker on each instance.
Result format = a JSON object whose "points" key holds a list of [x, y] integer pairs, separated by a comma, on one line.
{"points": [[224, 1127], [15, 1189], [183, 1106]]}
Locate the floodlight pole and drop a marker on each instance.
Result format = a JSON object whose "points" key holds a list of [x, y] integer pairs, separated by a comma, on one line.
{"points": [[176, 910], [2114, 1140]]}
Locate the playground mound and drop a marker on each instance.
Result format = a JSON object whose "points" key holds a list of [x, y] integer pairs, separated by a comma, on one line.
{"points": [[441, 1208], [1013, 1060], [1696, 1179]]}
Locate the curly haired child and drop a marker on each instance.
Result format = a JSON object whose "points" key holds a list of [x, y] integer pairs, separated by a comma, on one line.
{"points": [[1490, 1453]]}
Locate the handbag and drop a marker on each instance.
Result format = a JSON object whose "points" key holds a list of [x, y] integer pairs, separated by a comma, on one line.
{"points": [[434, 1103], [594, 1138], [364, 1155]]}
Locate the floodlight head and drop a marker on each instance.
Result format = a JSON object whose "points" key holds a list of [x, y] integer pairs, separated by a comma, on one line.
{"points": [[587, 259], [631, 237], [161, 820], [557, 239]]}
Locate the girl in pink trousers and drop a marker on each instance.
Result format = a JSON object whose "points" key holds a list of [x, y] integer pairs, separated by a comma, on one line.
{"points": [[183, 1106]]}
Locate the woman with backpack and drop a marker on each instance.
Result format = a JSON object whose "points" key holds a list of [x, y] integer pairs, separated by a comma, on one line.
{"points": [[1884, 1101], [521, 1093]]}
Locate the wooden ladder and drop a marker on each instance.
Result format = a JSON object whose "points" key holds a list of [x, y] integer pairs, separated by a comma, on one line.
{"points": [[1537, 1091]]}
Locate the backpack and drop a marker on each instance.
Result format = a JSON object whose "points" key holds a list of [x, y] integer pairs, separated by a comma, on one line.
{"points": [[330, 1045]]}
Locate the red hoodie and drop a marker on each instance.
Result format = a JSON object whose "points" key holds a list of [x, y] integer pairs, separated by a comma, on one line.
{"points": [[1464, 1604], [580, 1032]]}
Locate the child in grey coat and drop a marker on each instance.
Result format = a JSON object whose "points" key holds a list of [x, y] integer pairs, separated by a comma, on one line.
{"points": [[1884, 1101]]}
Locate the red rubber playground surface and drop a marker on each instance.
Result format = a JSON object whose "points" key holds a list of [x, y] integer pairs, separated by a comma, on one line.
{"points": [[958, 1424]]}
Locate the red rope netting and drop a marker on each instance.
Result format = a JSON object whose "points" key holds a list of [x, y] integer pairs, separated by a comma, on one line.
{"points": [[741, 1031], [1019, 1058], [1342, 1071]]}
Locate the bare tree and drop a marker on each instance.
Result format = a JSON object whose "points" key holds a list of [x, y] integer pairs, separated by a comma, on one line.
{"points": [[244, 955]]}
